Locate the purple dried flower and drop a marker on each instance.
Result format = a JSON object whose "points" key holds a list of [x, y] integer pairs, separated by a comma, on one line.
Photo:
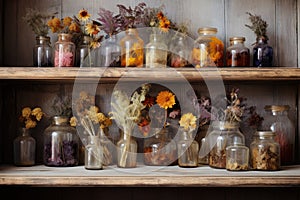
{"points": [[111, 24], [131, 17]]}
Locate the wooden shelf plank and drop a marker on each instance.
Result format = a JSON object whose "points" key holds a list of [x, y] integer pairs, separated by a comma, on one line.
{"points": [[172, 74], [202, 176]]}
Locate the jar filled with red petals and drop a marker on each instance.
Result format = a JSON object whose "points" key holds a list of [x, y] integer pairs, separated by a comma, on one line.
{"points": [[64, 51]]}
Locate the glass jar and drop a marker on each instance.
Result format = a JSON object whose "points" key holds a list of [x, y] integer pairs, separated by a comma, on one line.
{"points": [[127, 150], [24, 149], [264, 151], [64, 50], [160, 150], [132, 49], [107, 146], [224, 134], [61, 143], [42, 52], [277, 120], [156, 52], [237, 157], [262, 53], [110, 53], [83, 53], [237, 55], [93, 153], [187, 149], [208, 49], [179, 53], [203, 160]]}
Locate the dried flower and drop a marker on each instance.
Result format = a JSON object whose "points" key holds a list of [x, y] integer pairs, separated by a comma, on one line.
{"points": [[165, 99], [63, 26], [188, 121], [37, 21], [29, 117], [111, 24], [130, 18], [259, 26], [83, 15]]}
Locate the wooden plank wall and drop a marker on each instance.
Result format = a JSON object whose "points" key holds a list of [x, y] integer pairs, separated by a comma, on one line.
{"points": [[228, 16]]}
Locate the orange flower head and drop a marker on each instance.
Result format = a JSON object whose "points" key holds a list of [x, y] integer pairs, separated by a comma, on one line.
{"points": [[92, 29], [74, 27], [54, 24], [149, 101], [165, 99], [164, 24], [160, 15], [83, 15], [67, 21]]}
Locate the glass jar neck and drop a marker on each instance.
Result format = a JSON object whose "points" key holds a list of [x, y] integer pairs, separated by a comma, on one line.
{"points": [[131, 31], [24, 132], [60, 120], [226, 126], [64, 37], [42, 40]]}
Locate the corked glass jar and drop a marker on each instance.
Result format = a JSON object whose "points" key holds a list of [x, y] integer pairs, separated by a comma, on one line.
{"points": [[237, 54]]}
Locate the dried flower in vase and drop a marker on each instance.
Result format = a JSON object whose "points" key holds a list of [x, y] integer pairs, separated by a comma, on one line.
{"points": [[188, 122], [259, 26], [110, 23], [30, 117], [131, 18]]}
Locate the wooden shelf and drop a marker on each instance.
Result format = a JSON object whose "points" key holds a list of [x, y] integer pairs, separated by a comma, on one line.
{"points": [[171, 74], [202, 176]]}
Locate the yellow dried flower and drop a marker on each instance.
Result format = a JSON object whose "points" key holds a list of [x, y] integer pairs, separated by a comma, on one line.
{"points": [[165, 99], [67, 21], [74, 27], [92, 29], [30, 123], [83, 15], [26, 112], [73, 121], [188, 121]]}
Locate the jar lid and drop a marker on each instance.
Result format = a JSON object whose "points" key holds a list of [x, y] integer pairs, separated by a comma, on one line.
{"points": [[277, 108], [264, 133], [207, 30], [242, 39]]}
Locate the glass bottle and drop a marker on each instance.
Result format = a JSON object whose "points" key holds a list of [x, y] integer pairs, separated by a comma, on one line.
{"points": [[160, 150], [179, 53], [42, 52], [83, 53], [127, 150], [224, 134], [24, 149], [107, 146], [156, 52], [110, 53], [264, 151], [187, 149], [237, 55], [237, 157], [64, 50], [203, 160], [277, 120], [208, 49], [132, 49], [93, 153], [262, 53], [61, 143]]}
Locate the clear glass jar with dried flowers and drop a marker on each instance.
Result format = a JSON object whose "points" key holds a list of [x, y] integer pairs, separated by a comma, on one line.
{"points": [[64, 48], [126, 111], [187, 147], [42, 51], [25, 145]]}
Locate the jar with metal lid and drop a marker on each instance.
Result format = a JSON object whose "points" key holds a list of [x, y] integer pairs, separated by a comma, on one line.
{"points": [[277, 120], [237, 55], [264, 151], [237, 157], [208, 50], [224, 134]]}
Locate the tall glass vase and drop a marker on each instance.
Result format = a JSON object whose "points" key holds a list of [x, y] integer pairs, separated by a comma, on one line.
{"points": [[127, 150], [42, 52], [83, 53], [110, 53], [64, 50], [93, 153], [24, 149]]}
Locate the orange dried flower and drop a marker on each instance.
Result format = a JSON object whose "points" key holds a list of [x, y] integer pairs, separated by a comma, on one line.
{"points": [[67, 21], [165, 99], [83, 15]]}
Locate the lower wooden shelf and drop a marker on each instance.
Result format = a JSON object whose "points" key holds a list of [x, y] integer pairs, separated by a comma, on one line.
{"points": [[170, 176]]}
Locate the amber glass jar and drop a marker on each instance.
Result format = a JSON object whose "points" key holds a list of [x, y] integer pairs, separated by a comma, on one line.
{"points": [[237, 55], [208, 49], [132, 49], [264, 151], [226, 134]]}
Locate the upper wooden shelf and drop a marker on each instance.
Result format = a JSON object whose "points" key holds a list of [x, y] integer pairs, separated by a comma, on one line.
{"points": [[171, 74], [202, 176]]}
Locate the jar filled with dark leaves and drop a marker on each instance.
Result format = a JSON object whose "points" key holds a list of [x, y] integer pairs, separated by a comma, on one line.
{"points": [[61, 143], [264, 152]]}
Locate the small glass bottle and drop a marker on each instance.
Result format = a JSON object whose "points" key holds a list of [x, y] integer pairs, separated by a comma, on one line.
{"points": [[160, 150], [264, 152], [24, 149], [42, 52], [61, 144], [237, 55], [237, 157], [179, 54], [93, 153], [132, 49], [226, 134], [156, 52], [83, 53], [262, 53], [203, 160], [277, 120], [110, 53], [64, 51], [208, 49], [187, 149], [127, 150]]}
